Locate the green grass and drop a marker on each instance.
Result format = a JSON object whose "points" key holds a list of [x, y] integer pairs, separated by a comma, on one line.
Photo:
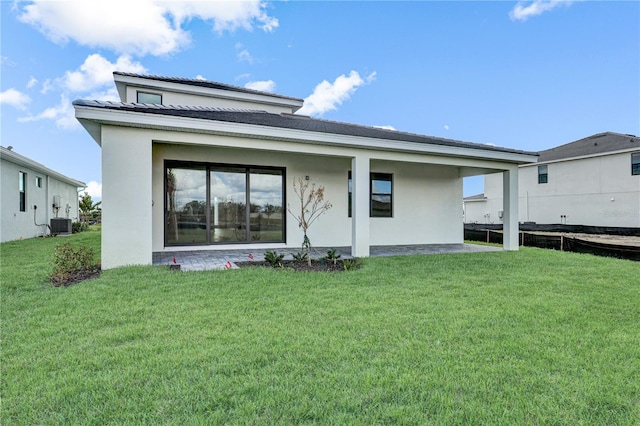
{"points": [[529, 337]]}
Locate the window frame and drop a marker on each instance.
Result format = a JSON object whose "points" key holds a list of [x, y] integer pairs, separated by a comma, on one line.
{"points": [[22, 190], [141, 92], [372, 176], [543, 174], [209, 167], [38, 182], [635, 164]]}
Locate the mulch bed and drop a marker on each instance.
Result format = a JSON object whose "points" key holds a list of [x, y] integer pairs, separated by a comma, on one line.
{"points": [[297, 265], [75, 277]]}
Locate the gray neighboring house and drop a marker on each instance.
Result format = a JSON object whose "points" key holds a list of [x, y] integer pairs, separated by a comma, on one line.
{"points": [[32, 195], [592, 181]]}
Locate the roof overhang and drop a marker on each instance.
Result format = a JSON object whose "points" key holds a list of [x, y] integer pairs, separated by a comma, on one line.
{"points": [[122, 81], [23, 161], [93, 118]]}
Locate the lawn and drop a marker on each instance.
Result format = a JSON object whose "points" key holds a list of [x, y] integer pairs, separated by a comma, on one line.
{"points": [[529, 337]]}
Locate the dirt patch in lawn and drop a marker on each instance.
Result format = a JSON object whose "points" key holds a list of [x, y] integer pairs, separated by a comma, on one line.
{"points": [[75, 277]]}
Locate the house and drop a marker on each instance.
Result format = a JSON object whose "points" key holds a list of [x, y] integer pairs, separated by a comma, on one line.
{"points": [[193, 164], [35, 200], [592, 181]]}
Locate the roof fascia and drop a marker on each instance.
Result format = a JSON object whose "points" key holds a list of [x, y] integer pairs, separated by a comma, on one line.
{"points": [[583, 157], [21, 160], [122, 81], [164, 122]]}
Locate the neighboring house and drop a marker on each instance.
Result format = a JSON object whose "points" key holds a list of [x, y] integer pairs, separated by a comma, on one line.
{"points": [[592, 181], [182, 159], [32, 195]]}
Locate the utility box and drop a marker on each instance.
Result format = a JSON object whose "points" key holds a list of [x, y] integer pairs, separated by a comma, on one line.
{"points": [[61, 226]]}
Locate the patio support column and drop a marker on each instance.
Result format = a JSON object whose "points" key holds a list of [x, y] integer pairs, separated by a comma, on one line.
{"points": [[126, 198], [360, 206], [510, 208]]}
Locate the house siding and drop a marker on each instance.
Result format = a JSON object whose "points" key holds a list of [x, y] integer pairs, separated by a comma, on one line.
{"points": [[596, 191], [16, 224]]}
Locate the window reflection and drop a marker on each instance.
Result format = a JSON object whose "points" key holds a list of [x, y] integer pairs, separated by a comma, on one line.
{"points": [[207, 204]]}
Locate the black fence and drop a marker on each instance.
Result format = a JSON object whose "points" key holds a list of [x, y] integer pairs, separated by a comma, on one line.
{"points": [[557, 242], [556, 227]]}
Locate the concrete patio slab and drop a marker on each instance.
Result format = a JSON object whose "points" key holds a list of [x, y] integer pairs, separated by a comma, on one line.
{"points": [[203, 260]]}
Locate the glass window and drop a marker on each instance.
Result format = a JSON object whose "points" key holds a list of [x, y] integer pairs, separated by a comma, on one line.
{"points": [[381, 193], [207, 204], [38, 181], [266, 205], [186, 205], [543, 176], [381, 198], [22, 187], [149, 98], [635, 163], [228, 188]]}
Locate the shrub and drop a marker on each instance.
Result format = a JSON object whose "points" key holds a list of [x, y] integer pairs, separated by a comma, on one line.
{"points": [[273, 258], [68, 261], [351, 264], [301, 256], [333, 256], [79, 227]]}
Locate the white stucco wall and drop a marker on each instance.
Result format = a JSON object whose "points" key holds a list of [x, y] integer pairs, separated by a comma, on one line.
{"points": [[20, 225], [597, 191], [427, 189], [423, 196], [126, 197], [189, 99]]}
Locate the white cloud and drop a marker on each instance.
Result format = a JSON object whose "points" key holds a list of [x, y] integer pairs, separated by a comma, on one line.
{"points": [[387, 127], [96, 71], [446, 127], [263, 86], [4, 60], [47, 86], [32, 82], [148, 26], [109, 95], [94, 189], [63, 114], [524, 10], [245, 56], [14, 98], [327, 96], [200, 77]]}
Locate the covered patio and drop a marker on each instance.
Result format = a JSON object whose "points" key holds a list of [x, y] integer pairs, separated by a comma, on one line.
{"points": [[203, 260]]}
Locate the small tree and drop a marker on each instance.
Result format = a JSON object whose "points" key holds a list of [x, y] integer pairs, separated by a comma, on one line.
{"points": [[87, 206], [312, 206]]}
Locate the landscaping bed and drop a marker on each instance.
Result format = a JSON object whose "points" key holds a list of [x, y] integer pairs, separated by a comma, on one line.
{"points": [[297, 265]]}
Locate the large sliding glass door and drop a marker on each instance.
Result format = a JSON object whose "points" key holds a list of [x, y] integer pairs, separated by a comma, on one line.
{"points": [[207, 204]]}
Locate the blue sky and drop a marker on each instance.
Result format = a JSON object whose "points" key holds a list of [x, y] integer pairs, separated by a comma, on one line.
{"points": [[529, 75]]}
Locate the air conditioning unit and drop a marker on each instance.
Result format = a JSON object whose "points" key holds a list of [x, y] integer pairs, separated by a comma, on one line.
{"points": [[61, 226]]}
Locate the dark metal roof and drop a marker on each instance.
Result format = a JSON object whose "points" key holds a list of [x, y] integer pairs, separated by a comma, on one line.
{"points": [[288, 121], [477, 197], [205, 83], [600, 143]]}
